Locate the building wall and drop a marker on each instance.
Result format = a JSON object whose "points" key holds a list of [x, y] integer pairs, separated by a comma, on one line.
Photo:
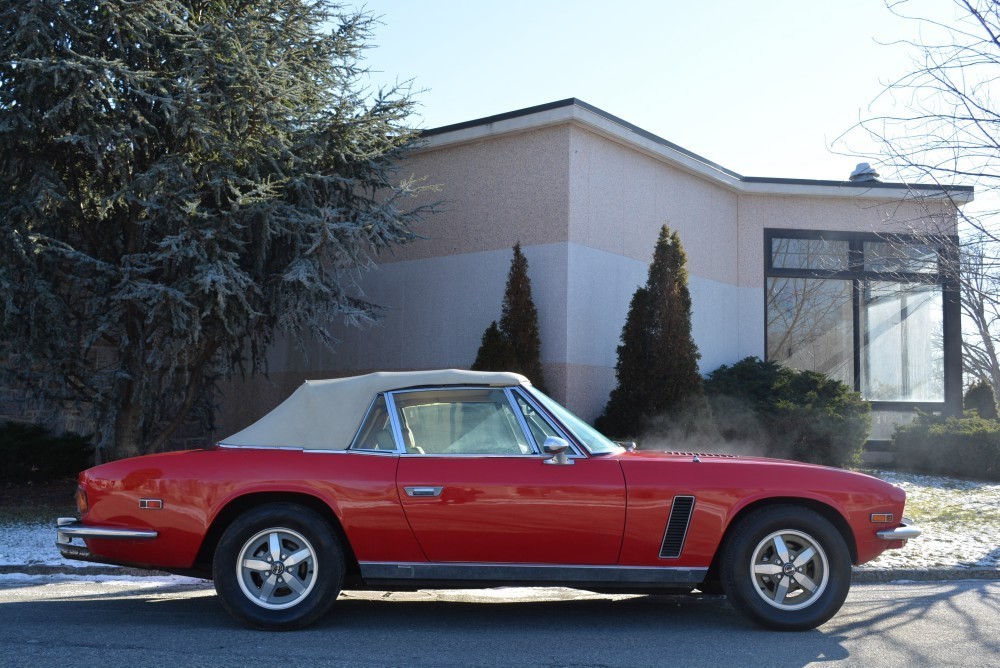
{"points": [[440, 293], [493, 193], [619, 198], [587, 208]]}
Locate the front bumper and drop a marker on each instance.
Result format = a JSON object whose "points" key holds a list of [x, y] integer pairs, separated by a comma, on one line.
{"points": [[905, 531], [68, 528]]}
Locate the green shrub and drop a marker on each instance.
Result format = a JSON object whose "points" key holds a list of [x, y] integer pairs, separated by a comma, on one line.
{"points": [[781, 412], [980, 399], [967, 447], [31, 453]]}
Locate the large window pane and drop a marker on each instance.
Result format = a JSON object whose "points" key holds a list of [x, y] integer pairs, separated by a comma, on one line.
{"points": [[818, 254], [882, 256], [902, 355], [810, 325]]}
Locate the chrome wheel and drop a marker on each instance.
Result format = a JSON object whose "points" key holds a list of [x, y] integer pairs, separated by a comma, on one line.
{"points": [[790, 569], [277, 568], [786, 567]]}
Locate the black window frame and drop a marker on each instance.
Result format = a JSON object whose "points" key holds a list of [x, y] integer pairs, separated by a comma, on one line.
{"points": [[946, 247]]}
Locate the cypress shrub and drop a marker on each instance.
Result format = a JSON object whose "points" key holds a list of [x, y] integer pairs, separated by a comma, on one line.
{"points": [[515, 343], [657, 369]]}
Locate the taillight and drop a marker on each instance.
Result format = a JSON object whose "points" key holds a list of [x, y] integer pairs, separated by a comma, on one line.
{"points": [[82, 505]]}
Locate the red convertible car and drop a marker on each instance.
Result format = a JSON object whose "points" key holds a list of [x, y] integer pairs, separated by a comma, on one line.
{"points": [[455, 479]]}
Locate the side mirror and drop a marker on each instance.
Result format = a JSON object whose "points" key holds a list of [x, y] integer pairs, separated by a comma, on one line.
{"points": [[556, 447]]}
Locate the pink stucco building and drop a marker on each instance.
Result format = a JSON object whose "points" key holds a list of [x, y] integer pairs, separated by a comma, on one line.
{"points": [[837, 276]]}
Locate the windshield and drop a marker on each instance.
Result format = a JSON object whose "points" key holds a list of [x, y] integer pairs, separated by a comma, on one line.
{"points": [[595, 442]]}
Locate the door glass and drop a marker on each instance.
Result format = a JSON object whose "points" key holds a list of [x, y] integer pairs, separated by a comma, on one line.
{"points": [[460, 422], [376, 432], [539, 426]]}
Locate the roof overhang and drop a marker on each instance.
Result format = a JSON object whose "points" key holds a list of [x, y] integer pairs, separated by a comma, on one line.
{"points": [[579, 113]]}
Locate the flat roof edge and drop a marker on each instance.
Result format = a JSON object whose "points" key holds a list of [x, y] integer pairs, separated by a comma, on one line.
{"points": [[506, 116], [858, 184], [753, 184]]}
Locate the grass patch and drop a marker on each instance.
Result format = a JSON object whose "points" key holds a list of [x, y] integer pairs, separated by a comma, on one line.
{"points": [[934, 510], [947, 502]]}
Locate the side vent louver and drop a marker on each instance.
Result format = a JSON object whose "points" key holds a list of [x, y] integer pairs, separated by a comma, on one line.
{"points": [[677, 527]]}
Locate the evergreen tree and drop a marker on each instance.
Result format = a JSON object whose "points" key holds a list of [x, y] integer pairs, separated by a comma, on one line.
{"points": [[495, 352], [657, 369], [514, 345], [180, 180], [979, 398]]}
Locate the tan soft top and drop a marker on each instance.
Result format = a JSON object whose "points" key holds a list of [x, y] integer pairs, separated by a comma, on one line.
{"points": [[325, 414]]}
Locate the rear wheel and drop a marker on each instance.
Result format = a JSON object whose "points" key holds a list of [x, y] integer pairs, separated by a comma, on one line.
{"points": [[278, 567], [786, 567]]}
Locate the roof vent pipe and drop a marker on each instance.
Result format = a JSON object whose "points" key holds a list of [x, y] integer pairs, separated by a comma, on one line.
{"points": [[864, 172]]}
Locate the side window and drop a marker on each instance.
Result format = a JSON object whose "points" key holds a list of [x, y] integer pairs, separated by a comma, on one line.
{"points": [[460, 422], [538, 425], [376, 431]]}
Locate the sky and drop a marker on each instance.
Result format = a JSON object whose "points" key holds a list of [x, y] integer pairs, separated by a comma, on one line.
{"points": [[760, 87]]}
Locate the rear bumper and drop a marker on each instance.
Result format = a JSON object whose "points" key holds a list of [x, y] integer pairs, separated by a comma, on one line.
{"points": [[905, 531], [68, 528]]}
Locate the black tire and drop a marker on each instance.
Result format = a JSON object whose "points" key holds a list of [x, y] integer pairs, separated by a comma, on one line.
{"points": [[797, 591], [278, 567]]}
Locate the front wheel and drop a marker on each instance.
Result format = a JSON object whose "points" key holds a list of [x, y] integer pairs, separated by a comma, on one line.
{"points": [[786, 567], [278, 567]]}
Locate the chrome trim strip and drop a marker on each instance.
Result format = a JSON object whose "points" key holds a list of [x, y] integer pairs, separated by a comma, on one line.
{"points": [[536, 448], [472, 455], [394, 422], [69, 528], [377, 453], [229, 446], [319, 451], [372, 570]]}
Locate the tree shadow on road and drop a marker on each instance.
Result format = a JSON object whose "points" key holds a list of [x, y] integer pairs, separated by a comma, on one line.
{"points": [[451, 629]]}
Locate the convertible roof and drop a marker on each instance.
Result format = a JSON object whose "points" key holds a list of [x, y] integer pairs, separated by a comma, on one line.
{"points": [[325, 414]]}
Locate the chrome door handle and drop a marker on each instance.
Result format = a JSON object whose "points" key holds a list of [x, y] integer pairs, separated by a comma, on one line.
{"points": [[423, 491]]}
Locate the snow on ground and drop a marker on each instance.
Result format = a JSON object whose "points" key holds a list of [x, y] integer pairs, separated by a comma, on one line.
{"points": [[960, 520], [32, 545]]}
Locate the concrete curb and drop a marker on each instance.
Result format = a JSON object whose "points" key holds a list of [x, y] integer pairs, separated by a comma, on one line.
{"points": [[923, 574], [858, 574], [39, 569]]}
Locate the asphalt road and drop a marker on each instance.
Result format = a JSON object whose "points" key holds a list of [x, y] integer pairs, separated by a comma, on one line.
{"points": [[136, 623]]}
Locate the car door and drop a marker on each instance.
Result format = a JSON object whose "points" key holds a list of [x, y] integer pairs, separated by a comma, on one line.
{"points": [[476, 488]]}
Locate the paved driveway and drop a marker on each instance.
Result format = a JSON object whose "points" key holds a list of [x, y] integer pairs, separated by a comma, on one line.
{"points": [[142, 624]]}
